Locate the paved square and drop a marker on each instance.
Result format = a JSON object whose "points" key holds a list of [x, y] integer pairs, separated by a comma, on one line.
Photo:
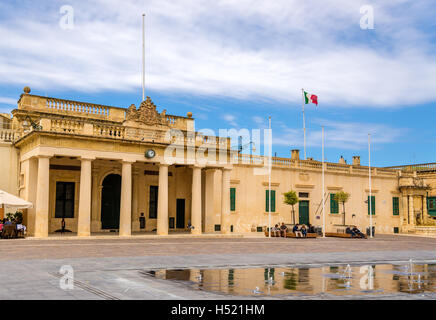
{"points": [[113, 268]]}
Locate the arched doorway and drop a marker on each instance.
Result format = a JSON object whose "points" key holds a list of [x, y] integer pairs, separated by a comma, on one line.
{"points": [[110, 202]]}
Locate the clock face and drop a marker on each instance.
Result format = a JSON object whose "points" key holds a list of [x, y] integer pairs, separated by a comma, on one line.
{"points": [[150, 154]]}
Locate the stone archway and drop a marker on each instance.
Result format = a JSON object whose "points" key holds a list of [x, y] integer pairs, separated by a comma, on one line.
{"points": [[110, 202]]}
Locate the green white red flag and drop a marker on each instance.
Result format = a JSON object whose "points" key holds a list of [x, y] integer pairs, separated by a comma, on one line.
{"points": [[310, 98]]}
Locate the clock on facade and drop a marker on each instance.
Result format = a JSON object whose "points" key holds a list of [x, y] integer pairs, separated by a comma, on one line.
{"points": [[150, 154]]}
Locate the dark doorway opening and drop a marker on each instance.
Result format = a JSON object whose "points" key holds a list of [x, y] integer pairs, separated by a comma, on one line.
{"points": [[180, 218], [110, 202]]}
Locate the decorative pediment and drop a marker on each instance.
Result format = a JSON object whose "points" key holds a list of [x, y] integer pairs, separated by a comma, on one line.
{"points": [[146, 114]]}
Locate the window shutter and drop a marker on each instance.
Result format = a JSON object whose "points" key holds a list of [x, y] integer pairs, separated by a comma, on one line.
{"points": [[372, 205], [396, 206], [334, 206], [232, 199], [266, 201], [273, 201]]}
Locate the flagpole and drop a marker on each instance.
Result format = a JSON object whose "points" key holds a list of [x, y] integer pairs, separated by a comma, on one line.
{"points": [[370, 189], [143, 57], [304, 124], [323, 187], [269, 178]]}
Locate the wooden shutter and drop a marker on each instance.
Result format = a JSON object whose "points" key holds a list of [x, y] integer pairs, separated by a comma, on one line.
{"points": [[232, 199], [396, 206], [273, 201], [334, 206], [372, 205]]}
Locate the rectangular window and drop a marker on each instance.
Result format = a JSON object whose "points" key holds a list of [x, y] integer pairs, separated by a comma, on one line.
{"points": [[396, 206], [334, 205], [232, 199], [273, 201], [153, 202], [303, 195], [431, 205], [65, 200], [372, 205]]}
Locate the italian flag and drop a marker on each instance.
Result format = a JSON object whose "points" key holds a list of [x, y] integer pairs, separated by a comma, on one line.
{"points": [[310, 98]]}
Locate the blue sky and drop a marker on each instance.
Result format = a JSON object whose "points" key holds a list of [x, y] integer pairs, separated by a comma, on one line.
{"points": [[234, 63]]}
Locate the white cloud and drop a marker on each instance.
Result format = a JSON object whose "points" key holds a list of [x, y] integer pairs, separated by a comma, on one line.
{"points": [[7, 100], [248, 49], [341, 135], [231, 119]]}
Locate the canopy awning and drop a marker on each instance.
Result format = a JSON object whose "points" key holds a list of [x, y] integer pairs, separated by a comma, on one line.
{"points": [[8, 200]]}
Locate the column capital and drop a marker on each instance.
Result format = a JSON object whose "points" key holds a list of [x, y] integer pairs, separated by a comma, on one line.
{"points": [[43, 156], [87, 158], [163, 164], [127, 162]]}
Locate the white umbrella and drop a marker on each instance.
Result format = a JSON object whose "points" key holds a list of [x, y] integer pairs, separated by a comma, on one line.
{"points": [[8, 200]]}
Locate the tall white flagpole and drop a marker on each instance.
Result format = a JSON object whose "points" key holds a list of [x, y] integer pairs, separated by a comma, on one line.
{"points": [[304, 124], [143, 57], [323, 187], [370, 189], [269, 177]]}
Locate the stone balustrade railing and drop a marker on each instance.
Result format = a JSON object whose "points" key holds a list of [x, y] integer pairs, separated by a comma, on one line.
{"points": [[8, 135], [244, 159], [88, 110], [77, 107]]}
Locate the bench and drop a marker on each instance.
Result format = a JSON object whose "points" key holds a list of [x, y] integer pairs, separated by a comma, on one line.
{"points": [[292, 235], [341, 235]]}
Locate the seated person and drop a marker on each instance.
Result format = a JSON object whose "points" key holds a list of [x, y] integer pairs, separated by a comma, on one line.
{"points": [[310, 228], [350, 231], [8, 223], [304, 231], [358, 232], [190, 226], [275, 231], [297, 231], [1, 225], [283, 229], [21, 227]]}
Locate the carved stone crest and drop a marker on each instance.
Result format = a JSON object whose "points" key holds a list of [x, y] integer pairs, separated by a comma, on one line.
{"points": [[146, 114]]}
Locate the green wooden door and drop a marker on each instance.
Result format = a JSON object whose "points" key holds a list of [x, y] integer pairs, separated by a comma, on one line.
{"points": [[303, 212]]}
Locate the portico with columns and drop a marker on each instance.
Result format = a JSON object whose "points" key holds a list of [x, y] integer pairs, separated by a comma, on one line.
{"points": [[116, 174]]}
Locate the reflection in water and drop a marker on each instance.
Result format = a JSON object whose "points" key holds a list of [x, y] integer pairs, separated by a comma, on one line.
{"points": [[338, 280]]}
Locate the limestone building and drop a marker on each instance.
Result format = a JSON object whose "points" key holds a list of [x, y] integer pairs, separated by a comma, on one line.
{"points": [[132, 170]]}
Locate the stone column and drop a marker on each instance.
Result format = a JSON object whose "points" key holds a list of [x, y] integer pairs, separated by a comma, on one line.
{"points": [[126, 200], [411, 211], [424, 210], [196, 200], [135, 194], [95, 225], [162, 206], [225, 201], [405, 210], [84, 219], [30, 167], [209, 200], [42, 197]]}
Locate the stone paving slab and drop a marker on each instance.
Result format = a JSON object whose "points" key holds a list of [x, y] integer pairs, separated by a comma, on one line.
{"points": [[111, 268]]}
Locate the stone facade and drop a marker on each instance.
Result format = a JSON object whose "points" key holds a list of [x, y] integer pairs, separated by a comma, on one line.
{"points": [[105, 169]]}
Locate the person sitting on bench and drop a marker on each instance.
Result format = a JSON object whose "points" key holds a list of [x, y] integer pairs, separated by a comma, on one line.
{"points": [[296, 231], [283, 229], [357, 232], [310, 228], [350, 231], [275, 231], [304, 230]]}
